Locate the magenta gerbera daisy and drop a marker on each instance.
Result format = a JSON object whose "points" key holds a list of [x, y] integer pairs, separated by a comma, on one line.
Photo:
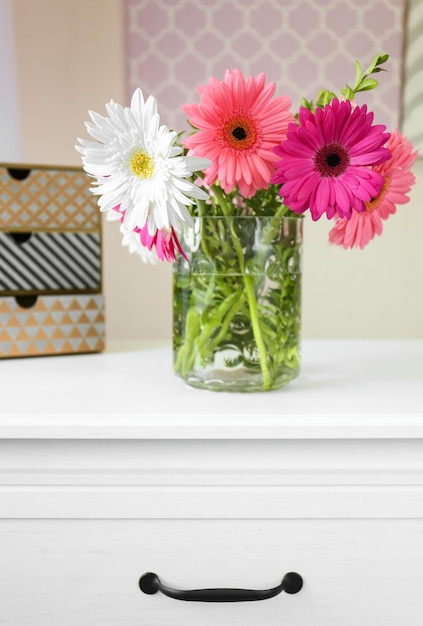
{"points": [[238, 123], [398, 180], [326, 161]]}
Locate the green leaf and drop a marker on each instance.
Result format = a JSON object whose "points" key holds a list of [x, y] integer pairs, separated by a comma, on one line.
{"points": [[348, 93], [358, 74], [307, 104], [382, 59], [379, 59], [324, 97], [371, 66], [367, 84]]}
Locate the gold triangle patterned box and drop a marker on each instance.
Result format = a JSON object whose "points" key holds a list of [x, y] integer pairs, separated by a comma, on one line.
{"points": [[49, 325]]}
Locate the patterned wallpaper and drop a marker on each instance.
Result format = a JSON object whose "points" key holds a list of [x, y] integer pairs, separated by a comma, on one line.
{"points": [[303, 45]]}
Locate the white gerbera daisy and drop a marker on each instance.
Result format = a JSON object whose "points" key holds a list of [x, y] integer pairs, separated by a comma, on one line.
{"points": [[138, 167]]}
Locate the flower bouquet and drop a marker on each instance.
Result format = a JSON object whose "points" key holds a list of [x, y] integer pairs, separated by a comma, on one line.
{"points": [[225, 205]]}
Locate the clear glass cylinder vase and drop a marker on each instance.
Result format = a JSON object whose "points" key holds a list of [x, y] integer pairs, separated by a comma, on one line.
{"points": [[237, 303]]}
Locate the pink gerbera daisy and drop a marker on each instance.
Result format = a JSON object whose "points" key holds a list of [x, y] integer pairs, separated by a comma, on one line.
{"points": [[398, 180], [325, 161], [164, 241], [238, 124]]}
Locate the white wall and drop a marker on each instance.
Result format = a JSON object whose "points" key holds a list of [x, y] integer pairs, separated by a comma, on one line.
{"points": [[70, 58]]}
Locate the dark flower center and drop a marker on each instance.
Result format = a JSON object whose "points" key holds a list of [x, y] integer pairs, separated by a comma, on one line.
{"points": [[239, 133], [331, 160]]}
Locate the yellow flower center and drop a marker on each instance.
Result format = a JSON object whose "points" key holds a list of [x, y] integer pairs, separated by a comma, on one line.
{"points": [[239, 132], [141, 164], [376, 201]]}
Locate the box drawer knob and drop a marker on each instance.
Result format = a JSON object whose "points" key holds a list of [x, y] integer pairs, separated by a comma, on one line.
{"points": [[21, 238], [18, 173], [150, 583]]}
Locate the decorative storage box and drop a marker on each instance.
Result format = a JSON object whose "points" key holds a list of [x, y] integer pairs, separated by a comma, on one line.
{"points": [[50, 262]]}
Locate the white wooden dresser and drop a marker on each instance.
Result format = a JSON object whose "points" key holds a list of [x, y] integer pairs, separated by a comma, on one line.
{"points": [[110, 468]]}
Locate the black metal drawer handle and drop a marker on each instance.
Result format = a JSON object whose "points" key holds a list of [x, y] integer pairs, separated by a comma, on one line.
{"points": [[291, 583]]}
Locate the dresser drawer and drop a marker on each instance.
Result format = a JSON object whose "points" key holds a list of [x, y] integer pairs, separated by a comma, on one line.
{"points": [[46, 198], [49, 262], [86, 572]]}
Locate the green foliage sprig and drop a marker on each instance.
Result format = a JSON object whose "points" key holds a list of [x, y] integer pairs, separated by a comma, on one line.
{"points": [[363, 82]]}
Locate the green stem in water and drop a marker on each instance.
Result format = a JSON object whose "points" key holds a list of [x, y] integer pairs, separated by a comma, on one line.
{"points": [[209, 328], [222, 202], [202, 212], [227, 320], [249, 287], [192, 328]]}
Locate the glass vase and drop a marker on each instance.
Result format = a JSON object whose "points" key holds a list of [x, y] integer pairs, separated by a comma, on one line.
{"points": [[237, 303]]}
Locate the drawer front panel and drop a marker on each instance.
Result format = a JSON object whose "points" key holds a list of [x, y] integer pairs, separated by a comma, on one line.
{"points": [[46, 199], [87, 572], [52, 325], [49, 262]]}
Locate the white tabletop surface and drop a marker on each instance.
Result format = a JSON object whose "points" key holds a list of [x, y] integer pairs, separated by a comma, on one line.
{"points": [[352, 388]]}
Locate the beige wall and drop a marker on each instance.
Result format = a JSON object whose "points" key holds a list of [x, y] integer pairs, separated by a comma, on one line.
{"points": [[70, 58]]}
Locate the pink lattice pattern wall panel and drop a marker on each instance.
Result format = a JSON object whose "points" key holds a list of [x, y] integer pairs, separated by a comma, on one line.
{"points": [[303, 45]]}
